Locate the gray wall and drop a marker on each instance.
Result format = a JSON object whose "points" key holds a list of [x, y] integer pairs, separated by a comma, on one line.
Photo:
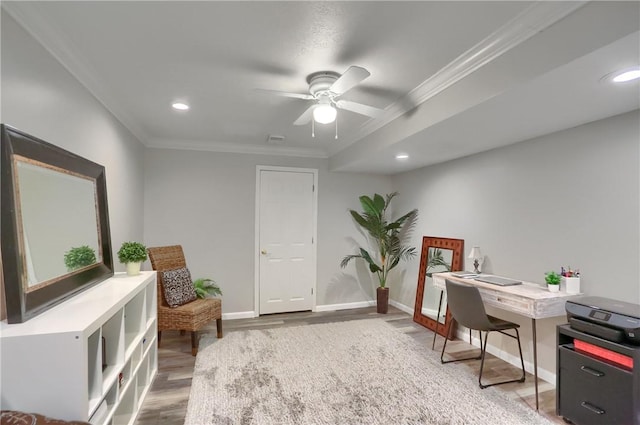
{"points": [[42, 98], [570, 198], [205, 201]]}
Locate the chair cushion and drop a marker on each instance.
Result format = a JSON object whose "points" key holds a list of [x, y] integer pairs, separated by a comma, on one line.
{"points": [[178, 287], [500, 324]]}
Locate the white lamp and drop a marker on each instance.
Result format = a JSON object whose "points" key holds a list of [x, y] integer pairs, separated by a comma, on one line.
{"points": [[476, 256], [324, 113]]}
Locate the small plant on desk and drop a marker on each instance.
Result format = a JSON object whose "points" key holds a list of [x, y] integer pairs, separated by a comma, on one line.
{"points": [[553, 281]]}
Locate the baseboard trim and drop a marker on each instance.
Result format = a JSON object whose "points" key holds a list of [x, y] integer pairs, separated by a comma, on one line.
{"points": [[238, 315], [543, 374], [319, 308], [402, 307], [345, 306]]}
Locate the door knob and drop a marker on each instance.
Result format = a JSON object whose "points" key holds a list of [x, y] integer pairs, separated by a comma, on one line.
{"points": [[263, 252]]}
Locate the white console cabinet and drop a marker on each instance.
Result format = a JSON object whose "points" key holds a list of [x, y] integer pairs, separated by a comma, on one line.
{"points": [[90, 358]]}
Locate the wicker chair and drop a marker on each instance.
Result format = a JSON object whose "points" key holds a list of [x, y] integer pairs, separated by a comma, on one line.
{"points": [[192, 316]]}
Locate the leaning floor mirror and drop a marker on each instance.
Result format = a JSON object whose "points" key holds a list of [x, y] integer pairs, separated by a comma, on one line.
{"points": [[438, 255]]}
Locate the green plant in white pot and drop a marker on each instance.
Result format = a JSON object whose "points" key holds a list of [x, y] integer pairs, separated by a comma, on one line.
{"points": [[132, 254], [387, 238], [553, 281]]}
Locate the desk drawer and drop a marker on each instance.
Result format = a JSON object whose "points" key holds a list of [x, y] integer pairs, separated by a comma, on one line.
{"points": [[593, 392], [510, 302]]}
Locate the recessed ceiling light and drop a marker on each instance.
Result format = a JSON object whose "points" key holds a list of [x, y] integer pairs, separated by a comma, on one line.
{"points": [[180, 106], [402, 156], [627, 75]]}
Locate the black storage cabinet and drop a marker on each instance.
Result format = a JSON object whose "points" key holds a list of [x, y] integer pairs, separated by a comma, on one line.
{"points": [[590, 390]]}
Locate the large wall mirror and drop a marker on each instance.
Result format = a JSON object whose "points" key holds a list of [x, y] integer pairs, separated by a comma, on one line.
{"points": [[438, 255], [55, 226]]}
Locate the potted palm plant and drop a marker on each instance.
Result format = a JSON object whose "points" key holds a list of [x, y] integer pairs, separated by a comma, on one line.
{"points": [[132, 254], [387, 238]]}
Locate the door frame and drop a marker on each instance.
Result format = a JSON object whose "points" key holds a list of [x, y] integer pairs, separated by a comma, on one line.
{"points": [[314, 249]]}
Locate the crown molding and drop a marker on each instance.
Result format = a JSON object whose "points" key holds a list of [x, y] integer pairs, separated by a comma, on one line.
{"points": [[226, 147], [61, 49], [534, 19]]}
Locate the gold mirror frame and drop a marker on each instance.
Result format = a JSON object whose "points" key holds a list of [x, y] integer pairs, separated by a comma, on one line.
{"points": [[457, 248]]}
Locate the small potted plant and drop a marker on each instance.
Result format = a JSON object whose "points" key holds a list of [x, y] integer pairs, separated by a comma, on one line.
{"points": [[206, 288], [553, 281], [79, 257], [132, 254]]}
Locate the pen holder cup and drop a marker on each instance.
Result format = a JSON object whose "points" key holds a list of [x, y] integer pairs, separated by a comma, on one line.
{"points": [[571, 285]]}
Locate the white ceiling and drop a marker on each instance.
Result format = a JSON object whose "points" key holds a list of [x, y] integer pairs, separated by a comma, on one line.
{"points": [[454, 78]]}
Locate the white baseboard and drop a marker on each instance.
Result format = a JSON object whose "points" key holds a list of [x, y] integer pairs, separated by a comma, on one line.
{"points": [[345, 306], [238, 315], [361, 304], [543, 374], [402, 307], [326, 307]]}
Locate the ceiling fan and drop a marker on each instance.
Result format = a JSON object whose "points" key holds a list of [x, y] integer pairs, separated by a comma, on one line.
{"points": [[325, 87]]}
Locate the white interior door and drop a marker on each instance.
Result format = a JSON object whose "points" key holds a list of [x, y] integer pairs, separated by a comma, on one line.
{"points": [[286, 232]]}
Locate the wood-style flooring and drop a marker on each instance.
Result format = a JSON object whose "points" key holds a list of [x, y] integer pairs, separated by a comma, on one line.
{"points": [[166, 402]]}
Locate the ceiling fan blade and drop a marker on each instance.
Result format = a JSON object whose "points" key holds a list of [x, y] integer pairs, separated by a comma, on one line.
{"points": [[286, 94], [349, 79], [306, 116], [359, 108]]}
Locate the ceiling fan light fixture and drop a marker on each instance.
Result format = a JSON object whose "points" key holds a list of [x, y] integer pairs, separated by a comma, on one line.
{"points": [[324, 114]]}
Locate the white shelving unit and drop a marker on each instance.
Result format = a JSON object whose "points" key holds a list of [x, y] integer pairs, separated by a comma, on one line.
{"points": [[90, 358]]}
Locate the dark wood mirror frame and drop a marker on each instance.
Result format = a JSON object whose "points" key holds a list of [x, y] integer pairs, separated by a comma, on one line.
{"points": [[22, 305], [457, 248]]}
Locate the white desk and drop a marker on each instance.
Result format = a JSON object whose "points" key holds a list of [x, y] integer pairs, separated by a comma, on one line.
{"points": [[529, 300]]}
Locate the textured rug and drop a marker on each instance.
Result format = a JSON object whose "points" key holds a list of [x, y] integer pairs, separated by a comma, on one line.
{"points": [[358, 372]]}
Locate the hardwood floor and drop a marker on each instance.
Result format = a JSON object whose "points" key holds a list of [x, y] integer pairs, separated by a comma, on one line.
{"points": [[166, 402]]}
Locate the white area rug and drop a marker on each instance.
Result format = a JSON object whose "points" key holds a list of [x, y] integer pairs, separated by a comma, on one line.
{"points": [[357, 372]]}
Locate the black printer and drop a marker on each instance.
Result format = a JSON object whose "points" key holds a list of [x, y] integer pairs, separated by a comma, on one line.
{"points": [[612, 320]]}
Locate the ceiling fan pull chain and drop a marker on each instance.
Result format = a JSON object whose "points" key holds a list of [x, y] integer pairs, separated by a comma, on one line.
{"points": [[313, 129], [336, 128]]}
